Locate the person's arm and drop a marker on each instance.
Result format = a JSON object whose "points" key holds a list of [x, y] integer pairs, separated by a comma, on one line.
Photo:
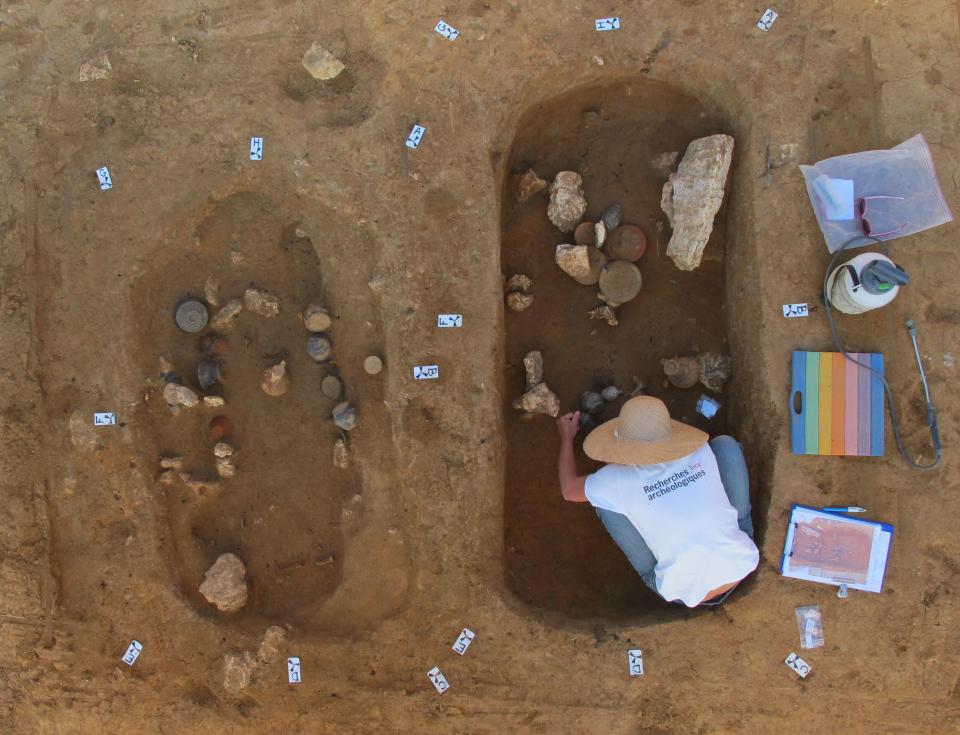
{"points": [[572, 485]]}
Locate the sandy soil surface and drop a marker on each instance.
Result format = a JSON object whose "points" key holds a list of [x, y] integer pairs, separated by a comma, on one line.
{"points": [[448, 515]]}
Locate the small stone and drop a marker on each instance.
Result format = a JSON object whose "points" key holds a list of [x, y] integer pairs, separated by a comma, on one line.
{"points": [[171, 463], [611, 393], [372, 365], [599, 234], [222, 449], [528, 184], [226, 468], [211, 291], [567, 202], [319, 347], [316, 318], [223, 319], [663, 164], [224, 584], [341, 455], [611, 217], [321, 63], [331, 387], [714, 370], [213, 401], [639, 387], [275, 381], [533, 365], [518, 301], [176, 394], [345, 416], [98, 67], [238, 670], [519, 282], [605, 312], [167, 477], [261, 302], [208, 374], [574, 260], [539, 399], [269, 649]]}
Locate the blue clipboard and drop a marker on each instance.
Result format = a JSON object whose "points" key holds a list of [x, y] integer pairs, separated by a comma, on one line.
{"points": [[788, 543]]}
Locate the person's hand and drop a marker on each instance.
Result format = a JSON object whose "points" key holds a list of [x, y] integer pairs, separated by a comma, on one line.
{"points": [[568, 425]]}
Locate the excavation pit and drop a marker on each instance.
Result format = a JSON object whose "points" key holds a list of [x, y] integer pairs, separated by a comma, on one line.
{"points": [[558, 556]]}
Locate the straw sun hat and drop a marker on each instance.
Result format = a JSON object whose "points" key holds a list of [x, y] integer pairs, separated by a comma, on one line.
{"points": [[643, 433]]}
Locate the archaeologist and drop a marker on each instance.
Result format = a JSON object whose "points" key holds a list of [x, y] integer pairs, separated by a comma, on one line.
{"points": [[677, 505]]}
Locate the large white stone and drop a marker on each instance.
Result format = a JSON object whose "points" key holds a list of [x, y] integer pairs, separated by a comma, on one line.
{"points": [[225, 584], [692, 197]]}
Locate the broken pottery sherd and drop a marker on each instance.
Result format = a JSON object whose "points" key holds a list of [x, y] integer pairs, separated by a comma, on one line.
{"points": [[345, 416], [316, 318], [591, 402], [584, 234], [319, 347], [275, 381], [191, 315], [620, 282], [208, 373], [682, 372], [331, 386], [627, 242], [714, 370]]}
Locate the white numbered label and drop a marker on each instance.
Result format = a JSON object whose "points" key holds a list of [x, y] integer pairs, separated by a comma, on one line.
{"points": [[635, 662], [426, 372], [103, 176], [132, 652], [798, 664], [438, 680], [104, 419], [293, 670], [449, 320], [464, 640], [792, 311], [447, 31], [766, 20], [256, 149], [416, 134], [607, 24]]}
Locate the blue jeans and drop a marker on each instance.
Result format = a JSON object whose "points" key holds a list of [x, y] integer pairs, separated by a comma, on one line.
{"points": [[736, 481]]}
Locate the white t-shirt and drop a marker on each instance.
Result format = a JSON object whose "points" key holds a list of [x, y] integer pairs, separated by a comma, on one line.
{"points": [[682, 511]]}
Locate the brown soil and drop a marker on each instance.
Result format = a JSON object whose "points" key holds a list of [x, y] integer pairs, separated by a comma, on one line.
{"points": [[448, 516]]}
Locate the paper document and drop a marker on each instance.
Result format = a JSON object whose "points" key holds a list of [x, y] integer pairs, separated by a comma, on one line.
{"points": [[834, 549]]}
